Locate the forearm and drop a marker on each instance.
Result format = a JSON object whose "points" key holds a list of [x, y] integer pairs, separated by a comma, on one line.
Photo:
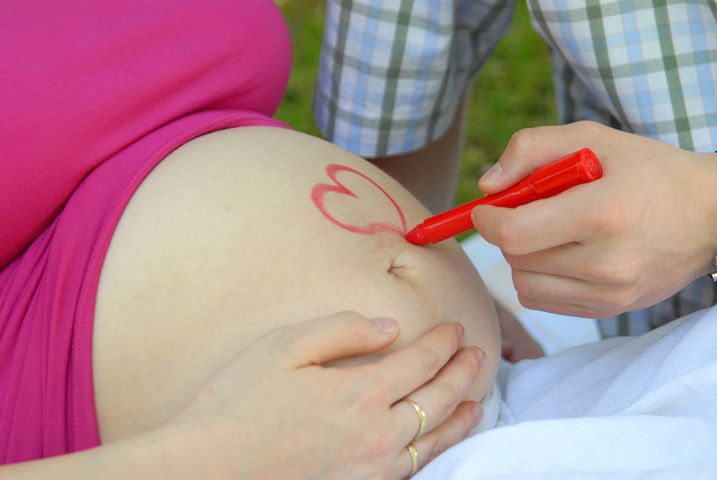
{"points": [[156, 454]]}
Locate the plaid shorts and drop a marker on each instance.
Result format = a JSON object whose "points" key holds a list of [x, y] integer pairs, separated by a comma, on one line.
{"points": [[392, 73]]}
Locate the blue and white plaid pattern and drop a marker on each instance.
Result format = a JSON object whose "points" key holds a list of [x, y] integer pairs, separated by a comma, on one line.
{"points": [[393, 71], [646, 66]]}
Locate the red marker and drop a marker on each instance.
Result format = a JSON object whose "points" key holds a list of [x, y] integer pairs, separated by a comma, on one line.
{"points": [[582, 166]]}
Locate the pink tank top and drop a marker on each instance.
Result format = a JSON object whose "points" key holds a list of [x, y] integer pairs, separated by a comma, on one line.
{"points": [[92, 96]]}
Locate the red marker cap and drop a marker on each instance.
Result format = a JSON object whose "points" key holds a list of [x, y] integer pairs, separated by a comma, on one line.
{"points": [[579, 167]]}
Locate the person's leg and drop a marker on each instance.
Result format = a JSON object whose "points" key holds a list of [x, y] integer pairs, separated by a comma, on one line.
{"points": [[246, 229]]}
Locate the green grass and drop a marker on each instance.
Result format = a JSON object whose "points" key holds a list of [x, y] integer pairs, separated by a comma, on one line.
{"points": [[513, 91], [306, 23]]}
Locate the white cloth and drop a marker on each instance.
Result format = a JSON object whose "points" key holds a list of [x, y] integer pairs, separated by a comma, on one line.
{"points": [[640, 407], [553, 332]]}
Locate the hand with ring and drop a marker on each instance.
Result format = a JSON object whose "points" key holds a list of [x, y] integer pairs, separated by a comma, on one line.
{"points": [[418, 460], [277, 412], [421, 428]]}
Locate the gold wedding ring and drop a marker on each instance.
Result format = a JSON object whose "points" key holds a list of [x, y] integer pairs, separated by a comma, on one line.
{"points": [[421, 417], [414, 459]]}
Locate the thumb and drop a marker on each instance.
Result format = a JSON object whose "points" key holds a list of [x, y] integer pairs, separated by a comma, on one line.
{"points": [[531, 148], [324, 339]]}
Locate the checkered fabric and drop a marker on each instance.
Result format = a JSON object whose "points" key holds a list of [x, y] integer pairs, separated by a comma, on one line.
{"points": [[645, 66], [393, 71]]}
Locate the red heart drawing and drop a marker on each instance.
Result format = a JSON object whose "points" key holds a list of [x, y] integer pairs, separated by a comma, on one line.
{"points": [[318, 194]]}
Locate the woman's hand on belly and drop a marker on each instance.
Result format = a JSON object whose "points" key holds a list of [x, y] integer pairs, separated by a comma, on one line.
{"points": [[243, 231], [275, 412]]}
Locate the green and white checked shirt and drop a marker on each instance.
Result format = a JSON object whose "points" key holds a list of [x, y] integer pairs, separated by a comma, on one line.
{"points": [[645, 66], [393, 71]]}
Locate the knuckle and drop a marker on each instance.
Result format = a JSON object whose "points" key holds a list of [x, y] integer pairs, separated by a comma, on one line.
{"points": [[368, 449], [522, 285], [522, 140], [633, 268], [371, 397], [597, 270], [625, 299], [625, 275], [513, 260], [508, 238], [360, 329], [429, 360], [385, 443], [450, 395], [528, 302], [589, 128], [601, 271], [587, 124], [614, 271], [372, 452], [611, 221]]}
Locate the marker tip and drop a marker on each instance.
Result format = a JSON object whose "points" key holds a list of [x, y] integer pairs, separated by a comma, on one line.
{"points": [[417, 236]]}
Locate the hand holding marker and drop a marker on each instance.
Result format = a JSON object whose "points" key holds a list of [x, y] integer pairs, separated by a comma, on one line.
{"points": [[579, 167]]}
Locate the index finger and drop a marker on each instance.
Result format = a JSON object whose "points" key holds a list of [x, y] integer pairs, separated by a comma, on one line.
{"points": [[531, 148], [412, 366], [536, 226]]}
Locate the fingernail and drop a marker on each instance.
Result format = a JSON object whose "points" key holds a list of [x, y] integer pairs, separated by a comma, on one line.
{"points": [[491, 176], [477, 415], [386, 325]]}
